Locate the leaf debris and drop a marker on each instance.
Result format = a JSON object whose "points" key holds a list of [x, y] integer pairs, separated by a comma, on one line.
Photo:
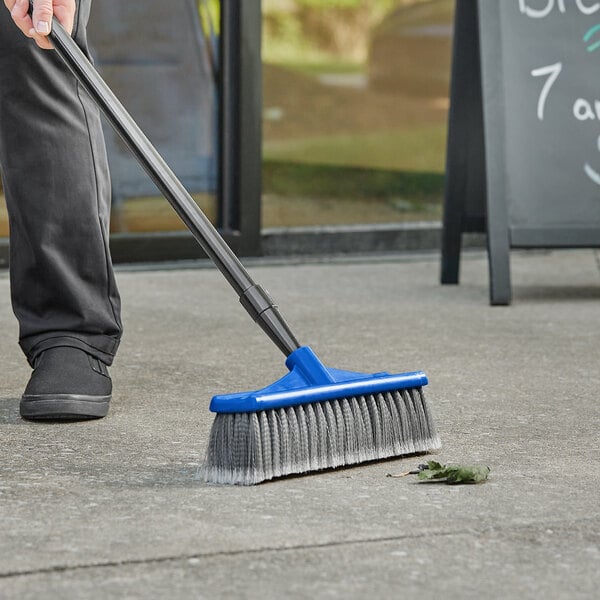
{"points": [[450, 474]]}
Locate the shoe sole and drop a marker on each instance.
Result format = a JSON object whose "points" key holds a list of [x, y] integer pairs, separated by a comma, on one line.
{"points": [[63, 407]]}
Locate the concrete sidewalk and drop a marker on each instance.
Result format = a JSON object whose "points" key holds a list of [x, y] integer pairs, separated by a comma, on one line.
{"points": [[113, 509]]}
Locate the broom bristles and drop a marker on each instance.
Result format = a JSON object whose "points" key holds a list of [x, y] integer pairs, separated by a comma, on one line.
{"points": [[247, 448]]}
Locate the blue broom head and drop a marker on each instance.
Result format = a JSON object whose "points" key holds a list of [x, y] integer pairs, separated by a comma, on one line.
{"points": [[310, 381]]}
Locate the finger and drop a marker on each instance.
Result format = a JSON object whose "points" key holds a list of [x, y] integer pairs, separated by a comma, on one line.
{"points": [[40, 25], [39, 32], [41, 40], [65, 13], [42, 17], [20, 15]]}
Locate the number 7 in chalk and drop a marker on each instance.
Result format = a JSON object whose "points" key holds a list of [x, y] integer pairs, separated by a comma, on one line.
{"points": [[553, 71]]}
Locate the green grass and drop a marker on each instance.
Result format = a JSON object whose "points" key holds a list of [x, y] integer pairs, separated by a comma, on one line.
{"points": [[420, 149], [324, 181], [307, 194]]}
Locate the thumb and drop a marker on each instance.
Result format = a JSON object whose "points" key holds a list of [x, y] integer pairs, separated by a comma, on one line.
{"points": [[42, 16]]}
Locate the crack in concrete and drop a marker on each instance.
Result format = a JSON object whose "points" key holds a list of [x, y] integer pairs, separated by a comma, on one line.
{"points": [[296, 548]]}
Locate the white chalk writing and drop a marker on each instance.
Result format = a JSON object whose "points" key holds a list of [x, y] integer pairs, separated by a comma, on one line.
{"points": [[542, 8]]}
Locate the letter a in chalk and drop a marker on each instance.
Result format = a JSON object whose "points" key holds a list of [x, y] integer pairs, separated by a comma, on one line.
{"points": [[583, 111]]}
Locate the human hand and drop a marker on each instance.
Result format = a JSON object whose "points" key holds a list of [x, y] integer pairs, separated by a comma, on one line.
{"points": [[43, 10]]}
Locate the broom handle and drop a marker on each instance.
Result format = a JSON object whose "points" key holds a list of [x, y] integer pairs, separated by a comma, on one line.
{"points": [[253, 298]]}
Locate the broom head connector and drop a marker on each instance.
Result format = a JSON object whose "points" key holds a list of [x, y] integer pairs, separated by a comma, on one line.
{"points": [[310, 381]]}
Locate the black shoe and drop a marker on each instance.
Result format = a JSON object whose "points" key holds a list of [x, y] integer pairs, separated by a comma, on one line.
{"points": [[66, 385]]}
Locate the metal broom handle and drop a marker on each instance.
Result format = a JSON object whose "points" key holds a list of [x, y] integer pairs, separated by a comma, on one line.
{"points": [[253, 298]]}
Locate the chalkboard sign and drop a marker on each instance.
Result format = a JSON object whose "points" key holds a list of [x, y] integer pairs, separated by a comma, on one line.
{"points": [[524, 130]]}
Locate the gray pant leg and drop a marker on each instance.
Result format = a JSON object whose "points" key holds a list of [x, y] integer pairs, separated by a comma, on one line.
{"points": [[57, 187]]}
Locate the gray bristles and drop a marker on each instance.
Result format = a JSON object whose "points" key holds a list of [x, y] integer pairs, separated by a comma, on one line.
{"points": [[247, 448]]}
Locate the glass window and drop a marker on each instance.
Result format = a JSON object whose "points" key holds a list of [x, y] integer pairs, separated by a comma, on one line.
{"points": [[161, 64], [355, 103], [355, 110]]}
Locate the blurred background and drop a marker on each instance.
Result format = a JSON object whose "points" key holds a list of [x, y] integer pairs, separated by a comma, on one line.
{"points": [[355, 101], [355, 109]]}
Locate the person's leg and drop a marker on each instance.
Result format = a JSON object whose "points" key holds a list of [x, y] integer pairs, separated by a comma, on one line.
{"points": [[57, 188]]}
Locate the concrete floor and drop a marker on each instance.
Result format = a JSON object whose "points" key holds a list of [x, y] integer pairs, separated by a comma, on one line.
{"points": [[113, 508]]}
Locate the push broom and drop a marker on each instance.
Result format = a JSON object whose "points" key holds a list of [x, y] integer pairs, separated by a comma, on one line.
{"points": [[314, 417]]}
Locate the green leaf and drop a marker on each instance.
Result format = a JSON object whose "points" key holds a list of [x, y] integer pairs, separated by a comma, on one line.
{"points": [[454, 474], [434, 470], [433, 465], [470, 474]]}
